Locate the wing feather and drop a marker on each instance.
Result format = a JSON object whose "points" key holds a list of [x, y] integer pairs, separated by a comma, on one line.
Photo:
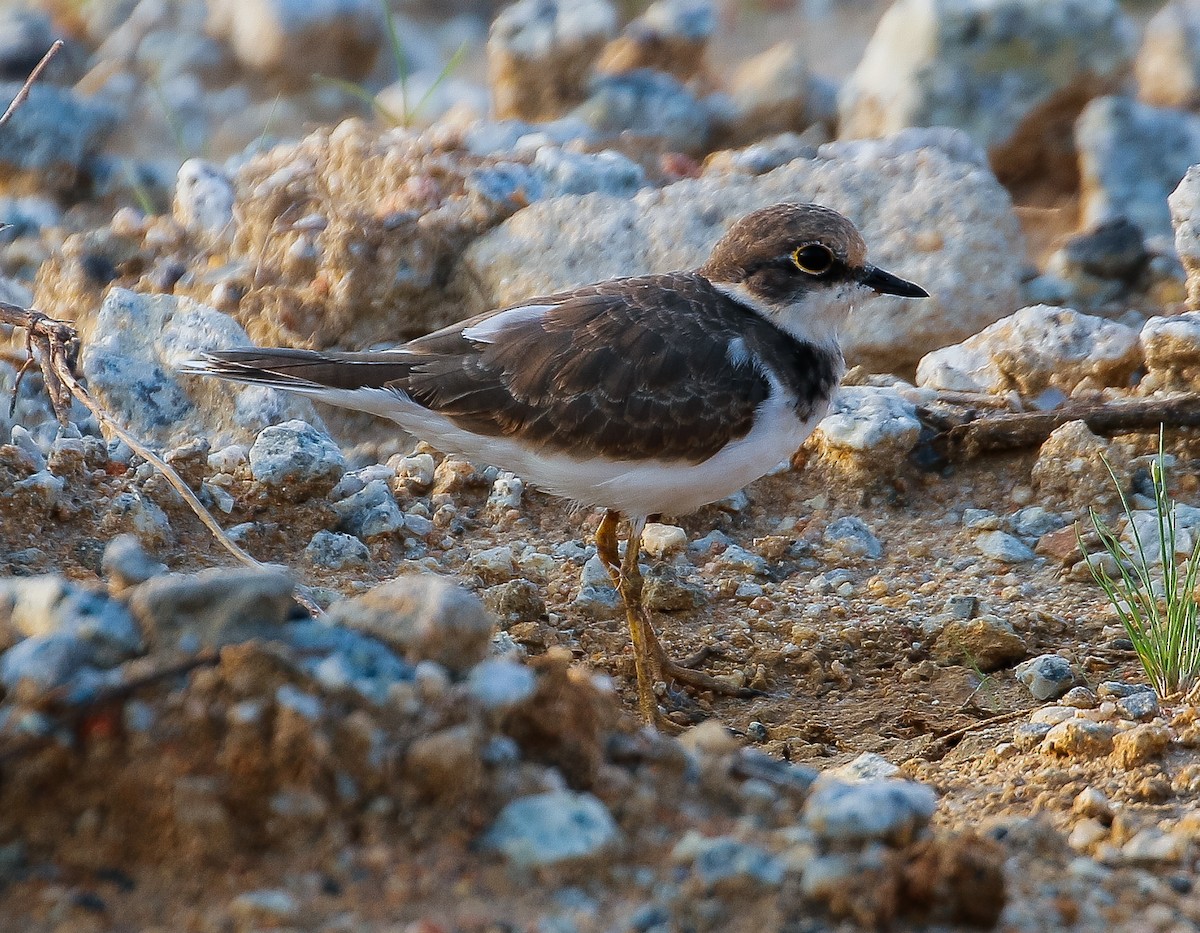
{"points": [[628, 369]]}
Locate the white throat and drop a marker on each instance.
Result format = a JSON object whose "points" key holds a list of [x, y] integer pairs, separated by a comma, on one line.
{"points": [[815, 319]]}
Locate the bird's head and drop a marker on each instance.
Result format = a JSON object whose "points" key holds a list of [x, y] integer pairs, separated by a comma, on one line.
{"points": [[802, 266]]}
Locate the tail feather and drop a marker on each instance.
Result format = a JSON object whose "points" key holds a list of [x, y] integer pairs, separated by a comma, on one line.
{"points": [[301, 370]]}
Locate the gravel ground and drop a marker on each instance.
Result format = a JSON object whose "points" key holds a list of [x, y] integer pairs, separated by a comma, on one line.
{"points": [[418, 712]]}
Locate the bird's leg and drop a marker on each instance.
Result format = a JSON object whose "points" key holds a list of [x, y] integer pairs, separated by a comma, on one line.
{"points": [[649, 657], [627, 578], [664, 666]]}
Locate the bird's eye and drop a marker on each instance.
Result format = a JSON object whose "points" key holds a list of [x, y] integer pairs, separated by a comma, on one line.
{"points": [[814, 258]]}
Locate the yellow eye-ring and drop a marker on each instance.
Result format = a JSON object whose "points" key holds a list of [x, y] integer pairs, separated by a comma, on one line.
{"points": [[813, 258]]}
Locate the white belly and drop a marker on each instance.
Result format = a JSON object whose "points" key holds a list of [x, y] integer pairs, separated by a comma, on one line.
{"points": [[635, 487]]}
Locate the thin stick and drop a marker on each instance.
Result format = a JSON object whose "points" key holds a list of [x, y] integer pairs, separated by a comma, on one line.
{"points": [[1029, 429], [73, 715], [29, 82], [163, 467], [984, 724], [57, 343]]}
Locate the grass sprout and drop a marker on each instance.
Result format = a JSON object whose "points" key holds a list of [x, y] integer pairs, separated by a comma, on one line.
{"points": [[1153, 590], [408, 110]]}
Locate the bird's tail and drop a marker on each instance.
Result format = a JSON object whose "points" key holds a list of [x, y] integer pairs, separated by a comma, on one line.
{"points": [[310, 372]]}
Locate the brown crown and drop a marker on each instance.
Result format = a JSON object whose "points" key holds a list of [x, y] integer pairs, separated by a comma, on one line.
{"points": [[765, 235]]}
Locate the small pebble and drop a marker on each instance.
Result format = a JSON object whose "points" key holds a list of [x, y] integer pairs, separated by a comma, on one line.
{"points": [[330, 550], [1047, 676]]}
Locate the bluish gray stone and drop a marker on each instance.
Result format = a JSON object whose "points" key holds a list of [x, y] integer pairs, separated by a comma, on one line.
{"points": [[738, 559], [1117, 689], [47, 661], [1048, 676], [221, 606], [1131, 157], [332, 551], [647, 103], [872, 420], [298, 701], [340, 658], [27, 216], [1029, 735], [502, 137], [598, 602], [1140, 705], [126, 563], [204, 199], [499, 684], [512, 183], [852, 537], [1006, 548], [417, 525], [889, 811], [296, 457], [54, 133], [608, 172], [955, 142], [51, 605], [553, 828], [371, 512], [1035, 521], [423, 617], [989, 67], [133, 513], [723, 859], [132, 361], [267, 907], [764, 156]]}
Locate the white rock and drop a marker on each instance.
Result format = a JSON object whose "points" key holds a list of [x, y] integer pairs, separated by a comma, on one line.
{"points": [[1171, 347], [1131, 157], [295, 39], [297, 457], [1006, 548], [552, 828], [659, 540], [971, 267], [1168, 63], [494, 564], [887, 810], [1184, 203], [539, 54], [1036, 349], [332, 551], [423, 616], [866, 767], [204, 198], [501, 684], [870, 420], [990, 67], [131, 357]]}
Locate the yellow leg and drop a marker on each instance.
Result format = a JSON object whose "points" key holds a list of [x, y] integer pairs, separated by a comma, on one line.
{"points": [[649, 658], [627, 578]]}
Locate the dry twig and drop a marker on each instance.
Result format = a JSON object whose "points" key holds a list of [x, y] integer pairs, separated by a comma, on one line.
{"points": [[950, 737], [55, 347], [71, 716], [30, 81], [973, 435]]}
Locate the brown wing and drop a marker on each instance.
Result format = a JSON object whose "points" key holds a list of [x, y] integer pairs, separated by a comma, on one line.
{"points": [[629, 369]]}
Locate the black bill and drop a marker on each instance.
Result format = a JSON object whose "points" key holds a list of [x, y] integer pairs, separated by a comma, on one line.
{"points": [[887, 284]]}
